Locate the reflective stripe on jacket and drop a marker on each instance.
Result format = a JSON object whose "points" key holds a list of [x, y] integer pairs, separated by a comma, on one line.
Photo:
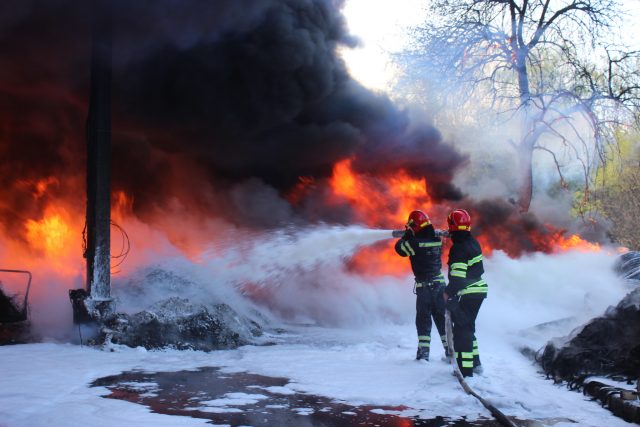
{"points": [[465, 266]]}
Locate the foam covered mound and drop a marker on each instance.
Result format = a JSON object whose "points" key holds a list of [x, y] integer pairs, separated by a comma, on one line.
{"points": [[608, 345]]}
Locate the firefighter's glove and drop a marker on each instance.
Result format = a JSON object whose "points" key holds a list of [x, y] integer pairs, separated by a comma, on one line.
{"points": [[408, 234]]}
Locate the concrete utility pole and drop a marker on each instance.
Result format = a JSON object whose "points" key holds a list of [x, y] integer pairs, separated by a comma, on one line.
{"points": [[99, 303]]}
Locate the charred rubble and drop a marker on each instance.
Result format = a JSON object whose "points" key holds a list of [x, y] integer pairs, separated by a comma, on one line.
{"points": [[9, 308], [178, 323], [14, 323], [173, 320], [608, 346]]}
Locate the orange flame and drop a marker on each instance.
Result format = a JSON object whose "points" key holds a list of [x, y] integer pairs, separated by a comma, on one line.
{"points": [[379, 202], [50, 234], [55, 240], [385, 201], [575, 242], [39, 187], [121, 206]]}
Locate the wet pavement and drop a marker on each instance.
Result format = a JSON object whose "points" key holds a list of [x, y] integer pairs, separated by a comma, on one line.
{"points": [[244, 399]]}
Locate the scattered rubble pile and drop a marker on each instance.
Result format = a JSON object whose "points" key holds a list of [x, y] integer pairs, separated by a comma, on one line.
{"points": [[608, 346], [9, 311], [177, 323], [173, 320], [14, 326]]}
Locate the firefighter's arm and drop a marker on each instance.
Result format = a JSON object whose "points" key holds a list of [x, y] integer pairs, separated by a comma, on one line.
{"points": [[400, 249], [457, 270], [407, 245]]}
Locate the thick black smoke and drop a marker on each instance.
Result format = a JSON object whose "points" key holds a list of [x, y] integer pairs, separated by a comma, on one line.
{"points": [[241, 96]]}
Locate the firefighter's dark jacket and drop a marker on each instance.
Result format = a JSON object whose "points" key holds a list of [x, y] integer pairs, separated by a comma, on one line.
{"points": [[425, 252], [465, 267]]}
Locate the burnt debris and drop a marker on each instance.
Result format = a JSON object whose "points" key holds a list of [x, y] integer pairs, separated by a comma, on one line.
{"points": [[177, 323], [10, 310], [159, 310], [608, 345], [14, 323], [15, 327]]}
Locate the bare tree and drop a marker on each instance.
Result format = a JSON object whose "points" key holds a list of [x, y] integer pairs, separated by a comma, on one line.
{"points": [[545, 63]]}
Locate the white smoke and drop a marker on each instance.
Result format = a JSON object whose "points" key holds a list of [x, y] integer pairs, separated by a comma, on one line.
{"points": [[539, 296]]}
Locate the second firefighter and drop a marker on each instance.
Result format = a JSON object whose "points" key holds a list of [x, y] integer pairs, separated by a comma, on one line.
{"points": [[466, 290]]}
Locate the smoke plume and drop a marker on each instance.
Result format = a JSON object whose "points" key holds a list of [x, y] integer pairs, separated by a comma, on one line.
{"points": [[215, 104]]}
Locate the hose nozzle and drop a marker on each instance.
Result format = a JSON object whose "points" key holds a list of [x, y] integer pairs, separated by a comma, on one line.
{"points": [[397, 233]]}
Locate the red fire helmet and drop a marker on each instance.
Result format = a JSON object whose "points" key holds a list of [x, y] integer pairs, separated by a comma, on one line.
{"points": [[458, 220], [417, 221]]}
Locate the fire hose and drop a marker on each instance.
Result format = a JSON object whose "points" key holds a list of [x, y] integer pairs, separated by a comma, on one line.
{"points": [[497, 414]]}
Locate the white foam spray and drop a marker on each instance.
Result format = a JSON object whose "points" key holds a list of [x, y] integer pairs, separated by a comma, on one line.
{"points": [[278, 254], [300, 275]]}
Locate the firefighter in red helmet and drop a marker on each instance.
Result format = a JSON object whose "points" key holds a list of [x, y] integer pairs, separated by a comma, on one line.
{"points": [[424, 250], [466, 290]]}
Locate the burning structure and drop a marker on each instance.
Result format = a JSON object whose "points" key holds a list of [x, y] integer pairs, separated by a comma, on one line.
{"points": [[228, 120]]}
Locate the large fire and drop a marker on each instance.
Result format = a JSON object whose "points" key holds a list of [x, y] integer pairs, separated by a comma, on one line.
{"points": [[54, 238], [385, 201], [48, 238], [379, 201], [51, 234], [210, 161]]}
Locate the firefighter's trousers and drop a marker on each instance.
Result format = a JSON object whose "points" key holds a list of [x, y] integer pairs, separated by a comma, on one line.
{"points": [[464, 310], [430, 303]]}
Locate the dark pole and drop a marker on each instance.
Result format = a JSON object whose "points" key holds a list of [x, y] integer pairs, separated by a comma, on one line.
{"points": [[98, 252]]}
